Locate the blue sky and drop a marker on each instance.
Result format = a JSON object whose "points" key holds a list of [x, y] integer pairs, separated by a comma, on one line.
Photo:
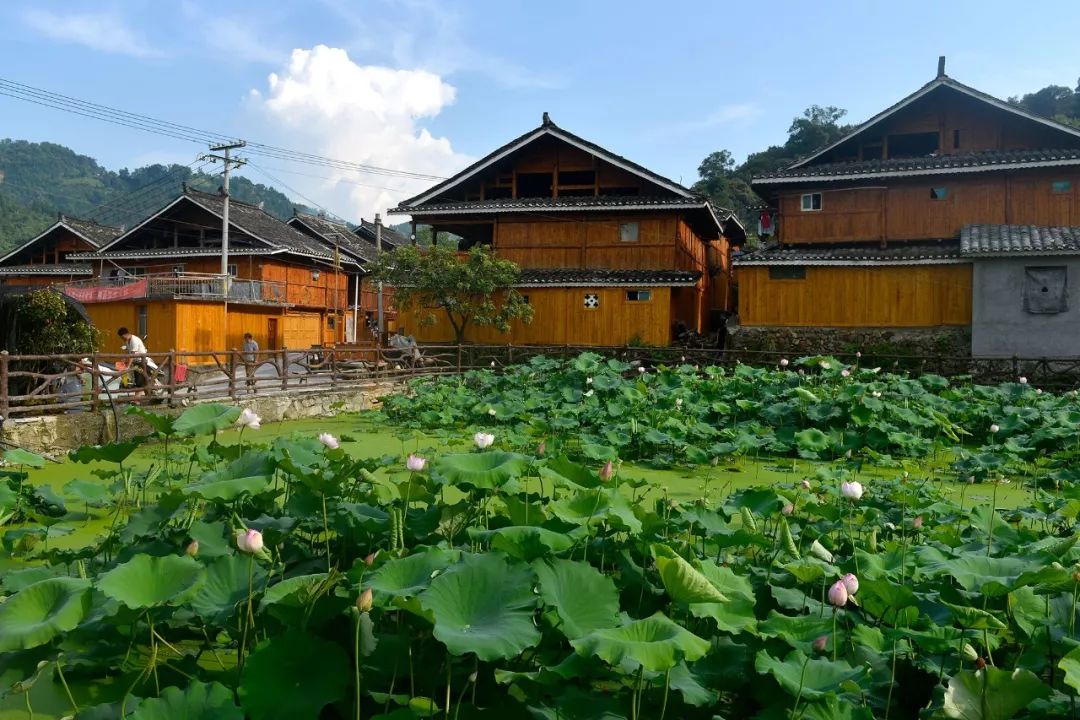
{"points": [[427, 86]]}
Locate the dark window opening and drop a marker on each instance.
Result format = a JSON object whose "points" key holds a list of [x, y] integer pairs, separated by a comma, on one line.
{"points": [[534, 185], [787, 272], [525, 299], [913, 145], [956, 139], [872, 149], [498, 193], [1060, 186], [577, 177], [143, 321], [617, 191], [330, 322], [575, 192], [638, 295], [939, 193]]}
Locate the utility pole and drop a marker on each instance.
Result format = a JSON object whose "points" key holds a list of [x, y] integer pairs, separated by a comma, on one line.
{"points": [[229, 163], [378, 249]]}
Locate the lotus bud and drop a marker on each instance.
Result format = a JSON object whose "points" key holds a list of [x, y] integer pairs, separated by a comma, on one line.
{"points": [[365, 601], [682, 359], [541, 448], [589, 393], [802, 371], [483, 440], [697, 367], [607, 471], [329, 441], [1038, 391], [917, 522], [250, 541], [805, 484], [838, 594], [821, 643], [641, 369], [415, 463], [787, 509], [715, 461], [858, 354], [851, 490], [492, 363], [472, 676], [588, 381], [192, 549], [848, 454], [369, 559], [845, 373], [980, 663], [1023, 380], [969, 652], [783, 362], [678, 402], [491, 411], [993, 429], [851, 583]]}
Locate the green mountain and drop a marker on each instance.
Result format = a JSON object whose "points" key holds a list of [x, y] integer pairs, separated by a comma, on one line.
{"points": [[39, 180]]}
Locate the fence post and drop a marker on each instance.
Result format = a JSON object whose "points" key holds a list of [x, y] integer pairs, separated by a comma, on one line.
{"points": [[333, 367], [172, 376], [3, 385], [509, 353], [284, 368], [232, 374], [95, 382], [459, 358]]}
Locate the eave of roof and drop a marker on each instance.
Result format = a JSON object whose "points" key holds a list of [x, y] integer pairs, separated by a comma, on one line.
{"points": [[150, 253], [47, 269], [942, 81], [863, 255], [72, 225], [561, 204], [993, 241], [547, 128], [986, 161], [579, 277]]}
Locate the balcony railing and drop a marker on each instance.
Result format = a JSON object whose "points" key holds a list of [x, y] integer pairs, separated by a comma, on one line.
{"points": [[186, 286]]}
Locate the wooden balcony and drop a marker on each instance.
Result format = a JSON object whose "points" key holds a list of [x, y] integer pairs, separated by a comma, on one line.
{"points": [[177, 286]]}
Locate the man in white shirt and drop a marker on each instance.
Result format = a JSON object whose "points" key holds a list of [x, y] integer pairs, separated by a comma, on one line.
{"points": [[136, 349]]}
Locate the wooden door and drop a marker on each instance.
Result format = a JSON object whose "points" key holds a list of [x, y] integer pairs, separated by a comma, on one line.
{"points": [[271, 334]]}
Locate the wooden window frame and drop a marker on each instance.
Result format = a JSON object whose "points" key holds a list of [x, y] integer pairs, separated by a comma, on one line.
{"points": [[636, 231], [820, 202], [638, 296], [1060, 187], [939, 193]]}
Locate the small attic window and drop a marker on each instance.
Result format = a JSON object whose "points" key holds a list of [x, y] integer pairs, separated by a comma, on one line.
{"points": [[909, 145], [1060, 187], [939, 193], [534, 185], [811, 201], [628, 231]]}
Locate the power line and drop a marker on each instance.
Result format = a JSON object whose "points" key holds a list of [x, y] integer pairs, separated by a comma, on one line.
{"points": [[105, 113]]}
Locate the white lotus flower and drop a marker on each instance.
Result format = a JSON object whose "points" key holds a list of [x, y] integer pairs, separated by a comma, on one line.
{"points": [[851, 490], [483, 440], [249, 420], [329, 441]]}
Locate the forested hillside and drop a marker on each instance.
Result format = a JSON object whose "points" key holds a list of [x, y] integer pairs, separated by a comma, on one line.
{"points": [[728, 183], [39, 180]]}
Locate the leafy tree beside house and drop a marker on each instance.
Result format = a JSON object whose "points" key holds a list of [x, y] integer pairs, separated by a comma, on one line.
{"points": [[477, 289]]}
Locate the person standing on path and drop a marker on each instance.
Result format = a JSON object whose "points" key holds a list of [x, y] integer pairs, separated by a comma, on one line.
{"points": [[250, 356]]}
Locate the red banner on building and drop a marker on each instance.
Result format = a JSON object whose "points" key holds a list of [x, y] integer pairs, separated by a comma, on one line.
{"points": [[136, 289]]}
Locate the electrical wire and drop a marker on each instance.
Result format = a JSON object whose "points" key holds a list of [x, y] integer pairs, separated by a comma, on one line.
{"points": [[105, 113]]}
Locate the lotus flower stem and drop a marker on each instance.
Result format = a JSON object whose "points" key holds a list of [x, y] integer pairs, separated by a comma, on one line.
{"points": [[63, 681], [990, 522], [248, 620], [667, 686], [798, 695], [356, 661], [448, 685], [892, 682], [326, 534], [835, 638]]}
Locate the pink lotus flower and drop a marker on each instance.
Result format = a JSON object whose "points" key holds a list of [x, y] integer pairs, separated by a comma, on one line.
{"points": [[994, 428], [845, 373], [851, 490], [787, 509], [249, 420], [821, 643], [415, 463], [858, 354], [805, 484], [329, 441], [838, 594], [369, 559], [483, 440], [607, 471], [192, 549], [365, 600], [824, 365], [917, 522], [851, 583], [250, 541], [541, 448]]}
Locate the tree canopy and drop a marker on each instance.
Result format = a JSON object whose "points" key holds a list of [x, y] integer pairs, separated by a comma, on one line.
{"points": [[477, 289]]}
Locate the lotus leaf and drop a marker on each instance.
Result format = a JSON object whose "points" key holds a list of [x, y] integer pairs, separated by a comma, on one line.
{"points": [[407, 576], [226, 586], [584, 599], [198, 701], [18, 456], [483, 606], [206, 419], [481, 471], [810, 677], [654, 643], [146, 581], [41, 611], [992, 694], [293, 676], [684, 582]]}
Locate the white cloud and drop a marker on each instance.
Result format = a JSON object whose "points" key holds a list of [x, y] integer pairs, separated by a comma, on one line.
{"points": [[103, 32], [736, 114], [324, 103], [234, 37]]}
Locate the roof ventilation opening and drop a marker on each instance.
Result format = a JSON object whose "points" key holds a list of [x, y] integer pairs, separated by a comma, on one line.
{"points": [[941, 66]]}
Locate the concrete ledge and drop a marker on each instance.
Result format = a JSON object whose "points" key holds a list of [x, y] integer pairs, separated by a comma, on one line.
{"points": [[56, 434]]}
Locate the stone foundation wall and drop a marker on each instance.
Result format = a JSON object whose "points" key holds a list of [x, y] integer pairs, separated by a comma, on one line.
{"points": [[796, 341], [56, 434]]}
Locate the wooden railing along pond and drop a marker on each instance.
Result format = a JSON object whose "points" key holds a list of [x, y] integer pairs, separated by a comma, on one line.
{"points": [[44, 384]]}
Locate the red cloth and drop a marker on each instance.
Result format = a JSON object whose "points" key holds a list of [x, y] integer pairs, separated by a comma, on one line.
{"points": [[136, 289], [765, 220]]}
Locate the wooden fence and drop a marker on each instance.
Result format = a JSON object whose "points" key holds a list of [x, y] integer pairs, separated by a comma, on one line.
{"points": [[44, 384]]}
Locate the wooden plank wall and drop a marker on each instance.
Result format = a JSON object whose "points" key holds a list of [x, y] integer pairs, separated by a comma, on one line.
{"points": [[302, 330], [109, 317], [898, 296], [905, 211], [560, 318], [303, 290], [587, 242]]}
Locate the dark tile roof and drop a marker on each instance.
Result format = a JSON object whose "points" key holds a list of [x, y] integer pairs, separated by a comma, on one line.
{"points": [[47, 269], [390, 237], [998, 240], [547, 127], [948, 83], [604, 202], [94, 233], [930, 165], [330, 232], [921, 253], [578, 277], [150, 253]]}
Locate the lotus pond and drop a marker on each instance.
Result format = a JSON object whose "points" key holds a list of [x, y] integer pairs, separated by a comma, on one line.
{"points": [[571, 539]]}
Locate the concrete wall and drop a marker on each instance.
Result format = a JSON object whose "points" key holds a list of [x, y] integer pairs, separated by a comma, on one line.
{"points": [[1000, 327], [56, 434]]}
